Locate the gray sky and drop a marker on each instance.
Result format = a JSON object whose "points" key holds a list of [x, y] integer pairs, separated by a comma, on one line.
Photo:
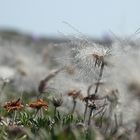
{"points": [[91, 17]]}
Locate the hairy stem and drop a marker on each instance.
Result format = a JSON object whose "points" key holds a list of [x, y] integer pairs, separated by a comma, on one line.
{"points": [[85, 112], [89, 120], [74, 106], [54, 111], [100, 77], [15, 116], [86, 106], [36, 113]]}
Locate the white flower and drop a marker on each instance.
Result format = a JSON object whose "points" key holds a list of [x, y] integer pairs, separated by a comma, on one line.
{"points": [[87, 58]]}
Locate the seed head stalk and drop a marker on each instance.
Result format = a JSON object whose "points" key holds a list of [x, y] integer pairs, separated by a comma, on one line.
{"points": [[86, 106], [89, 119], [100, 77], [74, 105], [96, 89], [54, 111], [85, 112]]}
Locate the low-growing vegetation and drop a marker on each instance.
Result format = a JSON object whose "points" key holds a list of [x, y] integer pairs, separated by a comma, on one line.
{"points": [[90, 95]]}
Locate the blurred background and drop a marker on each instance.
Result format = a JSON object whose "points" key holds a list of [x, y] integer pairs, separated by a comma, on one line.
{"points": [[91, 17], [31, 32]]}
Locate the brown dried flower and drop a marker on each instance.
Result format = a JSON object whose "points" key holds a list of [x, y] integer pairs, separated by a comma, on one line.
{"points": [[75, 94], [39, 104], [13, 105]]}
